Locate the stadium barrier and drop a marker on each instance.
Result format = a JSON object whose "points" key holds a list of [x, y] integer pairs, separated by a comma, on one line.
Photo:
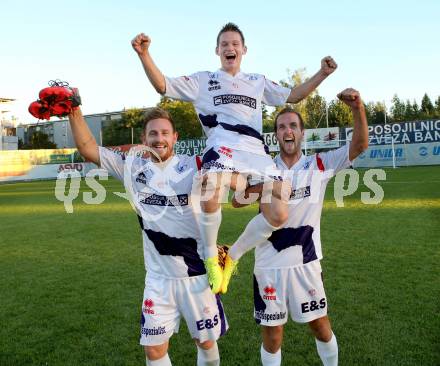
{"points": [[395, 144]]}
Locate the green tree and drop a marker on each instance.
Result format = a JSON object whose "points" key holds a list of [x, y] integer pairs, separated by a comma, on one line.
{"points": [[397, 109], [437, 107], [39, 140], [314, 108], [375, 112], [426, 108], [184, 116], [339, 114]]}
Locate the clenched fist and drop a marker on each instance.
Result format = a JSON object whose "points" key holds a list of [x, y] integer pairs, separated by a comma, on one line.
{"points": [[140, 43], [351, 97], [328, 65]]}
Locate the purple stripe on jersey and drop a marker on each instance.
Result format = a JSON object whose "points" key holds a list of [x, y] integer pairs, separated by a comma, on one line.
{"points": [[183, 247], [288, 237], [210, 121], [222, 315], [259, 304]]}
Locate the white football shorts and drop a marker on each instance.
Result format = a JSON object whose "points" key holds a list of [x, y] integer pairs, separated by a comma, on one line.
{"points": [[298, 290], [259, 167], [167, 300]]}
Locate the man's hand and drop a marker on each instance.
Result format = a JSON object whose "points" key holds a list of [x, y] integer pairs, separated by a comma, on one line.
{"points": [[141, 43], [351, 97], [328, 65]]}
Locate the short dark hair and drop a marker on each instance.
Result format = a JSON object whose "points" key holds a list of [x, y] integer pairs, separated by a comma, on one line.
{"points": [[285, 110], [230, 27], [155, 113]]}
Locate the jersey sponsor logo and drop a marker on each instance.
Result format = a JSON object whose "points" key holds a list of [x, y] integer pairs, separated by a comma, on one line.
{"points": [[313, 305], [147, 307], [306, 165], [213, 85], [300, 193], [153, 331], [141, 178], [253, 77], [261, 315], [269, 293], [207, 323], [235, 99], [158, 200]]}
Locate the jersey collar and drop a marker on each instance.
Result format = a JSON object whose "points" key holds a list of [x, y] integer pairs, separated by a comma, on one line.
{"points": [[280, 162], [224, 73]]}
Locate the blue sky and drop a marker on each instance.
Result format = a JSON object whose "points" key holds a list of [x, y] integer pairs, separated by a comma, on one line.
{"points": [[382, 47]]}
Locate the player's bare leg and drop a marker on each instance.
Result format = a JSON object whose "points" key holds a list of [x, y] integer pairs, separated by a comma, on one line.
{"points": [[214, 187], [207, 353], [157, 355], [271, 347], [274, 214], [326, 343]]}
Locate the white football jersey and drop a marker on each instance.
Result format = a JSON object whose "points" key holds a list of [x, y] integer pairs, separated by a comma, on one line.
{"points": [[161, 195], [299, 241], [229, 107]]}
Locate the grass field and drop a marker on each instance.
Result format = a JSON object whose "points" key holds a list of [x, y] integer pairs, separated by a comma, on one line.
{"points": [[71, 284]]}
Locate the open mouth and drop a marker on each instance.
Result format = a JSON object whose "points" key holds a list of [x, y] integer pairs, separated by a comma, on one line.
{"points": [[289, 141], [231, 57]]}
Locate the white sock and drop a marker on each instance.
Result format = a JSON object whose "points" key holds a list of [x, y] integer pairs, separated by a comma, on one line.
{"points": [[164, 361], [209, 223], [270, 359], [208, 357], [256, 232], [328, 351]]}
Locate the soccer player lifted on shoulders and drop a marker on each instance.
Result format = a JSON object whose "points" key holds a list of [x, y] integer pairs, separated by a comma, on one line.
{"points": [[176, 284], [229, 105], [287, 273]]}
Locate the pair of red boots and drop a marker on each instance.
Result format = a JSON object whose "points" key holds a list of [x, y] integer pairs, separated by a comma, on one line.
{"points": [[57, 100]]}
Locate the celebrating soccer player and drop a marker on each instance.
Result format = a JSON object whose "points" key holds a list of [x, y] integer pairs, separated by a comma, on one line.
{"points": [[176, 284], [287, 274], [229, 105]]}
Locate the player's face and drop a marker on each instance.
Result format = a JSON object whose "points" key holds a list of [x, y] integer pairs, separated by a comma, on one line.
{"points": [[160, 137], [289, 133], [231, 50]]}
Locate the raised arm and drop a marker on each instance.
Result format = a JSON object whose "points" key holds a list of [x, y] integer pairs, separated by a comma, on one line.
{"points": [[299, 92], [84, 140], [141, 44], [359, 140]]}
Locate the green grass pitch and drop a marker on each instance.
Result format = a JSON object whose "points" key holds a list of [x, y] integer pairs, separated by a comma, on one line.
{"points": [[71, 284]]}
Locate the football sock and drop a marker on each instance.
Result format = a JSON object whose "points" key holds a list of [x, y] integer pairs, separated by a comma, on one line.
{"points": [[209, 223], [270, 359], [208, 357], [328, 351], [164, 361], [256, 232]]}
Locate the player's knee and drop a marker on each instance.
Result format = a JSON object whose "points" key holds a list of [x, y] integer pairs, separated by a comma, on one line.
{"points": [[272, 338], [206, 345], [155, 352], [321, 329]]}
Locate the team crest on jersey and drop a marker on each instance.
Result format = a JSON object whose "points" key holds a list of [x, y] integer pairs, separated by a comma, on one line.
{"points": [[235, 99], [180, 168], [213, 85], [269, 293], [300, 193]]}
